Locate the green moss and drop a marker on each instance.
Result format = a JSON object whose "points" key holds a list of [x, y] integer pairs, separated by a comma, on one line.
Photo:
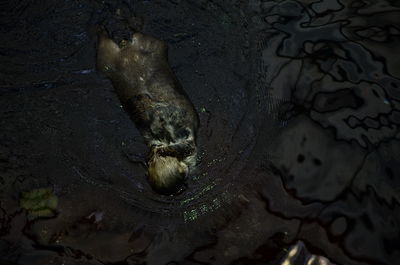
{"points": [[39, 203]]}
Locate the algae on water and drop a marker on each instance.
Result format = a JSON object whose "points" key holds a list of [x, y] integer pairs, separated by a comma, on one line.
{"points": [[39, 203]]}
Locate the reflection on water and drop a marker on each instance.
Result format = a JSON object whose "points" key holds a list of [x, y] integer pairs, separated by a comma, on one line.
{"points": [[299, 107]]}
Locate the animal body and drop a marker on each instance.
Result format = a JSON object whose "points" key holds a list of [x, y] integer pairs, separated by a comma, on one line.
{"points": [[154, 99]]}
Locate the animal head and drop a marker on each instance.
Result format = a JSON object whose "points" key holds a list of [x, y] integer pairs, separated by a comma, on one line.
{"points": [[140, 49], [127, 64]]}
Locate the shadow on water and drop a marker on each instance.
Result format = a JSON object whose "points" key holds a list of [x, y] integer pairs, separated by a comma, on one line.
{"points": [[299, 108]]}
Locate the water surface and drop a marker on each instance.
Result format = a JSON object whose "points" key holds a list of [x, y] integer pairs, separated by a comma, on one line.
{"points": [[299, 108]]}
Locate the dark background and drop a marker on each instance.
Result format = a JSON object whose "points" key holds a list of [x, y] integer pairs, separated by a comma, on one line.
{"points": [[299, 140]]}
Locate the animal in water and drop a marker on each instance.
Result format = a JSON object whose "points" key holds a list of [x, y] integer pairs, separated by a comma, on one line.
{"points": [[151, 94]]}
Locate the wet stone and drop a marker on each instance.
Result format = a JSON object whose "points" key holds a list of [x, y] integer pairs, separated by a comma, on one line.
{"points": [[338, 226]]}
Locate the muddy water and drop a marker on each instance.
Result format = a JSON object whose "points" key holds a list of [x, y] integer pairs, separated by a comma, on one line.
{"points": [[299, 108]]}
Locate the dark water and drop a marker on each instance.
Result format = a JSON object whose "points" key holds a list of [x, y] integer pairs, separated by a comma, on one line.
{"points": [[299, 107]]}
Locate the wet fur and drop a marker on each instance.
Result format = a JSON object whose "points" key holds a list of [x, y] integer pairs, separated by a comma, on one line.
{"points": [[152, 96]]}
